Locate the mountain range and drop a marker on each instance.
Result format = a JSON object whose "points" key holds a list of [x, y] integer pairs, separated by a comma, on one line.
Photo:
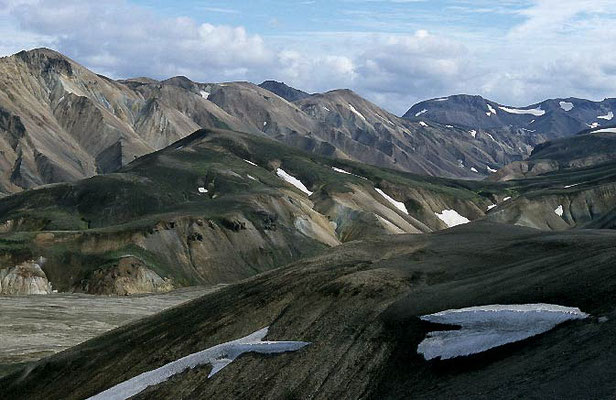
{"points": [[62, 122]]}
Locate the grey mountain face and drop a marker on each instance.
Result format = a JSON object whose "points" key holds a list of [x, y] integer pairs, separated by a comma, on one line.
{"points": [[286, 92]]}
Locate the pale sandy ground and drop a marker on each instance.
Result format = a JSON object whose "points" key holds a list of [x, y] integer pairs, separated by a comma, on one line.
{"points": [[32, 327]]}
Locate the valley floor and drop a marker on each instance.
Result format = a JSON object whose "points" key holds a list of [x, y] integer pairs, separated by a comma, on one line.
{"points": [[33, 327]]}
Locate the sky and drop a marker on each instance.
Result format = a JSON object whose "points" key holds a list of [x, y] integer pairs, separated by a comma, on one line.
{"points": [[393, 52]]}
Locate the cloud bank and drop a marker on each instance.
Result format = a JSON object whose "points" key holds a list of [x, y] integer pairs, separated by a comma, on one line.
{"points": [[559, 48]]}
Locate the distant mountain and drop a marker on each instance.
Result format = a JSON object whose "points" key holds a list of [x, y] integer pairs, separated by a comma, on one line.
{"points": [[589, 148], [550, 118], [286, 92], [62, 122]]}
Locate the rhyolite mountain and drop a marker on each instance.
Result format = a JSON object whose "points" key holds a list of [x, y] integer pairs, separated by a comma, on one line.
{"points": [[359, 306], [61, 122], [217, 207]]}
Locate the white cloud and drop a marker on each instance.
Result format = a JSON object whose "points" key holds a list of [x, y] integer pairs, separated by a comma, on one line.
{"points": [[557, 48]]}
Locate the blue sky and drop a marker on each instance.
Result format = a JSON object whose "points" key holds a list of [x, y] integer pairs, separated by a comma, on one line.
{"points": [[393, 52]]}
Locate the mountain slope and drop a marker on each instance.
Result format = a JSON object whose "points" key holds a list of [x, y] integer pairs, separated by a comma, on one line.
{"points": [[359, 305], [219, 206], [522, 128], [589, 148]]}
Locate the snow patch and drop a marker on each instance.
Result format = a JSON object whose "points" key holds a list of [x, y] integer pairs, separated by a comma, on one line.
{"points": [[486, 327], [441, 99], [265, 123], [341, 171], [354, 111], [491, 110], [473, 133], [421, 112], [398, 204], [474, 169], [607, 117], [326, 109], [423, 123], [218, 357], [566, 105], [202, 190], [449, 126], [507, 198], [452, 218], [537, 112], [491, 206], [251, 177], [491, 170], [204, 94], [293, 181], [594, 125], [570, 186], [559, 210], [250, 162], [606, 130]]}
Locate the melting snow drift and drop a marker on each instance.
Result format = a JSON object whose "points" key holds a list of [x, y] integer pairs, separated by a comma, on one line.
{"points": [[537, 112], [293, 181], [559, 210], [421, 112], [218, 357], [452, 218], [398, 204], [566, 105], [341, 171], [486, 327], [204, 94], [608, 117], [354, 110]]}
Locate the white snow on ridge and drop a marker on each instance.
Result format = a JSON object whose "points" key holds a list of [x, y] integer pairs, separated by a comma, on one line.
{"points": [[293, 181], [421, 112], [357, 113], [487, 327], [204, 94], [559, 210], [452, 218], [398, 204], [537, 112], [441, 99], [566, 105], [218, 357], [606, 130], [608, 117]]}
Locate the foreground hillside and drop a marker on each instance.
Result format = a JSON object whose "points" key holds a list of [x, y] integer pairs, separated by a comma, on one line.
{"points": [[216, 207], [358, 306]]}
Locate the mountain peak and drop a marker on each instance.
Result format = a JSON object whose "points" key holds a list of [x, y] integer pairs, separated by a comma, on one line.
{"points": [[283, 90]]}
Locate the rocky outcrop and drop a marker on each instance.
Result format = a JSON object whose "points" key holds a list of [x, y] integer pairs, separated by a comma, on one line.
{"points": [[129, 275], [24, 279]]}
